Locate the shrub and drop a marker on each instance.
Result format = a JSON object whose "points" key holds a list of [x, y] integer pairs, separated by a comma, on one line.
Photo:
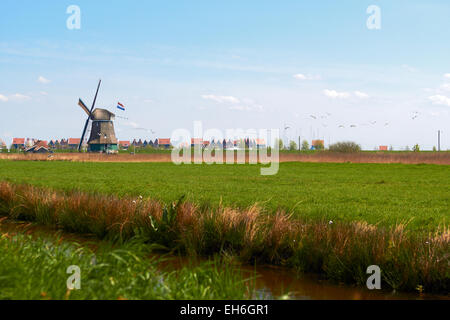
{"points": [[280, 144], [346, 146], [305, 145], [293, 145]]}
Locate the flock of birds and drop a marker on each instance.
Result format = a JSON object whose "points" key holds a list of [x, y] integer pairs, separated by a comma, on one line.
{"points": [[414, 116]]}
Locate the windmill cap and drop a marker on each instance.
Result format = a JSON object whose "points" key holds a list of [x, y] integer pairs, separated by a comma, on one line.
{"points": [[102, 114]]}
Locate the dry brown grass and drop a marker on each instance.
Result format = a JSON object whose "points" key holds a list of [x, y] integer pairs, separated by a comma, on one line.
{"points": [[340, 251], [325, 156]]}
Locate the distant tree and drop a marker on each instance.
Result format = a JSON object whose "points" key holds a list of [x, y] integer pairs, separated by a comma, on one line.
{"points": [[293, 145], [280, 144], [345, 146], [391, 148], [416, 148], [305, 145], [434, 149], [407, 148]]}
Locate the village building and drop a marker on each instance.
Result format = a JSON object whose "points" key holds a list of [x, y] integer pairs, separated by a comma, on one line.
{"points": [[2, 145], [196, 142], [39, 146], [317, 144], [124, 145], [260, 143], [73, 143], [18, 143], [164, 143]]}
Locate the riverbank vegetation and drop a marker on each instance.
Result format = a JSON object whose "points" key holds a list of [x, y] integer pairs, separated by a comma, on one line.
{"points": [[38, 268], [340, 251]]}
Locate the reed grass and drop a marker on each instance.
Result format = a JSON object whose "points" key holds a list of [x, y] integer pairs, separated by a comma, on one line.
{"points": [[405, 157], [35, 269], [340, 251]]}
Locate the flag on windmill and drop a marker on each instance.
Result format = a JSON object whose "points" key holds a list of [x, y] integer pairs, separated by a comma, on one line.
{"points": [[120, 106]]}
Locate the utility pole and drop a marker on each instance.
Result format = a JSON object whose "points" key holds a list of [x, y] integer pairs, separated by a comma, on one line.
{"points": [[439, 140]]}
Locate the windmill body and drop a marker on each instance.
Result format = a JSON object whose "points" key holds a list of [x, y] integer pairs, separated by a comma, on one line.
{"points": [[102, 137]]}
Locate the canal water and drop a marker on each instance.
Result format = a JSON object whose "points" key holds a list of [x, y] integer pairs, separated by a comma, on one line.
{"points": [[270, 281]]}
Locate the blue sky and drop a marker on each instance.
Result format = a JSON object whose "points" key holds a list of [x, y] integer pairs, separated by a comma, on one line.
{"points": [[313, 66]]}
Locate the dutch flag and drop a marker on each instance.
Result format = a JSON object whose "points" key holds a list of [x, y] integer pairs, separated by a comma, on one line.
{"points": [[120, 106]]}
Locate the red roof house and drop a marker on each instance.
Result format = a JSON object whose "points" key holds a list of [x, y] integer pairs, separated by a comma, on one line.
{"points": [[124, 144], [164, 143], [18, 143]]}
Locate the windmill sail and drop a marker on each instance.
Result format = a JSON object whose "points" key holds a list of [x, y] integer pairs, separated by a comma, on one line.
{"points": [[89, 116], [83, 106]]}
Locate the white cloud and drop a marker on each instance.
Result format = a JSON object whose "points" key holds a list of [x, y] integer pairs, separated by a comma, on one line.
{"points": [[445, 87], [132, 124], [44, 93], [221, 99], [447, 75], [361, 95], [255, 107], [234, 103], [301, 76], [335, 94], [43, 80], [239, 108], [409, 68], [439, 99], [20, 97], [3, 98]]}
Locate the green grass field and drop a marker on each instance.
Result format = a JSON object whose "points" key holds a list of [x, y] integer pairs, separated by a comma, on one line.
{"points": [[383, 194]]}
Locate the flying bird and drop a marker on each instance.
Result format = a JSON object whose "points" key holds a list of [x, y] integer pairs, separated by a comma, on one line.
{"points": [[353, 126], [341, 126], [314, 117]]}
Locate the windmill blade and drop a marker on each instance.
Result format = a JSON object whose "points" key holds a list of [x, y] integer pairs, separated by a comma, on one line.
{"points": [[87, 120], [83, 106]]}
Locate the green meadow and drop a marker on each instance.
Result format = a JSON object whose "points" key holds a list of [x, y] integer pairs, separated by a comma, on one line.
{"points": [[381, 194]]}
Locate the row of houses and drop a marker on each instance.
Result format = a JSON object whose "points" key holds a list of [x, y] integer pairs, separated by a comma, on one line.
{"points": [[31, 144], [23, 144], [166, 143]]}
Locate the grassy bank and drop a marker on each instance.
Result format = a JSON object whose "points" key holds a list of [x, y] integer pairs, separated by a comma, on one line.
{"points": [[381, 194], [339, 250], [33, 268]]}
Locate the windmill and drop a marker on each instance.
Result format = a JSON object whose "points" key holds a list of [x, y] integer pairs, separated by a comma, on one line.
{"points": [[102, 137]]}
